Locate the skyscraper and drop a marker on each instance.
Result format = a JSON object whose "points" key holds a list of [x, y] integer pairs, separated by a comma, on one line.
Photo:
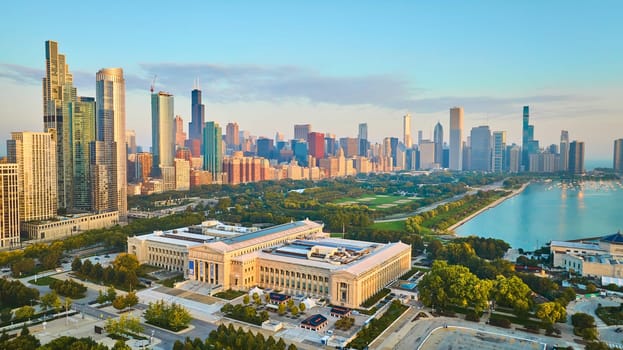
{"points": [[564, 151], [82, 116], [316, 145], [576, 157], [110, 96], [130, 141], [9, 205], [498, 147], [232, 136], [178, 131], [456, 138], [35, 155], [196, 125], [481, 148], [618, 156], [528, 144], [406, 130], [301, 131], [58, 92], [362, 136], [162, 131], [438, 139], [213, 150]]}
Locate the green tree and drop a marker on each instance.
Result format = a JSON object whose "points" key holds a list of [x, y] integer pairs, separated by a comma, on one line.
{"points": [[24, 312], [76, 265], [282, 308], [119, 302], [454, 284], [246, 299], [302, 307], [550, 313], [294, 310], [6, 315], [131, 299], [179, 317], [512, 292], [51, 301]]}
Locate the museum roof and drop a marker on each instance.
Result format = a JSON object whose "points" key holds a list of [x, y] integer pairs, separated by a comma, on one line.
{"points": [[616, 238]]}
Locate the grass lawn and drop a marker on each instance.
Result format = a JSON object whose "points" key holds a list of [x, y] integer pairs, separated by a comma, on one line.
{"points": [[229, 294], [611, 315], [376, 201], [43, 281], [389, 226]]}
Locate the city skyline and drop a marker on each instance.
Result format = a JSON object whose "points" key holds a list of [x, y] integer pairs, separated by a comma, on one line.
{"points": [[297, 82]]}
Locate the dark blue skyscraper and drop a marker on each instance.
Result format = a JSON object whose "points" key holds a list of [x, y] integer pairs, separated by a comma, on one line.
{"points": [[528, 144], [196, 125]]}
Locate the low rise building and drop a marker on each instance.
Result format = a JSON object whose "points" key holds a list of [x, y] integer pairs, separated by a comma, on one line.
{"points": [[599, 258], [64, 226], [315, 323], [299, 259]]}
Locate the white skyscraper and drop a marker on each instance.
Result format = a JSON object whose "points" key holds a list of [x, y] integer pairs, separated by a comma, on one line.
{"points": [[406, 130], [110, 114], [456, 135]]}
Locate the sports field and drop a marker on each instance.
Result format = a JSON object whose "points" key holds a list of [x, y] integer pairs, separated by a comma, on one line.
{"points": [[378, 201]]}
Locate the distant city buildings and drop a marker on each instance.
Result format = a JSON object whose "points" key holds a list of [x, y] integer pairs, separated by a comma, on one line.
{"points": [[406, 130], [498, 147], [213, 150], [195, 127], [456, 138], [301, 131], [480, 148], [564, 150], [162, 142], [438, 139], [618, 156], [178, 131], [529, 145], [576, 157]]}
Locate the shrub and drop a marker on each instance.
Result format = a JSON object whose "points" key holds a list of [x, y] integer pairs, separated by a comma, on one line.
{"points": [[500, 322]]}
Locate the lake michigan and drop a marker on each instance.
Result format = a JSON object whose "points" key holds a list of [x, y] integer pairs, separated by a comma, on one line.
{"points": [[552, 211]]}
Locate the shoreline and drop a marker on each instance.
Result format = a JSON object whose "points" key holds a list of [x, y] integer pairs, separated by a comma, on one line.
{"points": [[487, 207]]}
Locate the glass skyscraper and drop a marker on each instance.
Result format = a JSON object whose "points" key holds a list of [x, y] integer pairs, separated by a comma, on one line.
{"points": [[163, 145], [196, 125], [213, 150], [82, 116], [58, 92]]}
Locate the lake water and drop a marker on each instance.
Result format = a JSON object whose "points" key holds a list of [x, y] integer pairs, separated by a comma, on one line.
{"points": [[552, 211]]}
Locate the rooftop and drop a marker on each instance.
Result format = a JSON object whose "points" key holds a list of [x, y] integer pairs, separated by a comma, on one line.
{"points": [[355, 257], [262, 236], [575, 245], [616, 238], [314, 320]]}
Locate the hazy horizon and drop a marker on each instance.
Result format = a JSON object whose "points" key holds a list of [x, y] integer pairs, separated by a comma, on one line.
{"points": [[269, 66]]}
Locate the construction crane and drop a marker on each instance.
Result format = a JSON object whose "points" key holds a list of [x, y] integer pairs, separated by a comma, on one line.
{"points": [[153, 83]]}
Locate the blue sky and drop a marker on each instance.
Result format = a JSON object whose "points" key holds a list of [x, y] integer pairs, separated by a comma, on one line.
{"points": [[333, 64]]}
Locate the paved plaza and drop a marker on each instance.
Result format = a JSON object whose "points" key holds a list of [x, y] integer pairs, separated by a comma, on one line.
{"points": [[458, 338]]}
